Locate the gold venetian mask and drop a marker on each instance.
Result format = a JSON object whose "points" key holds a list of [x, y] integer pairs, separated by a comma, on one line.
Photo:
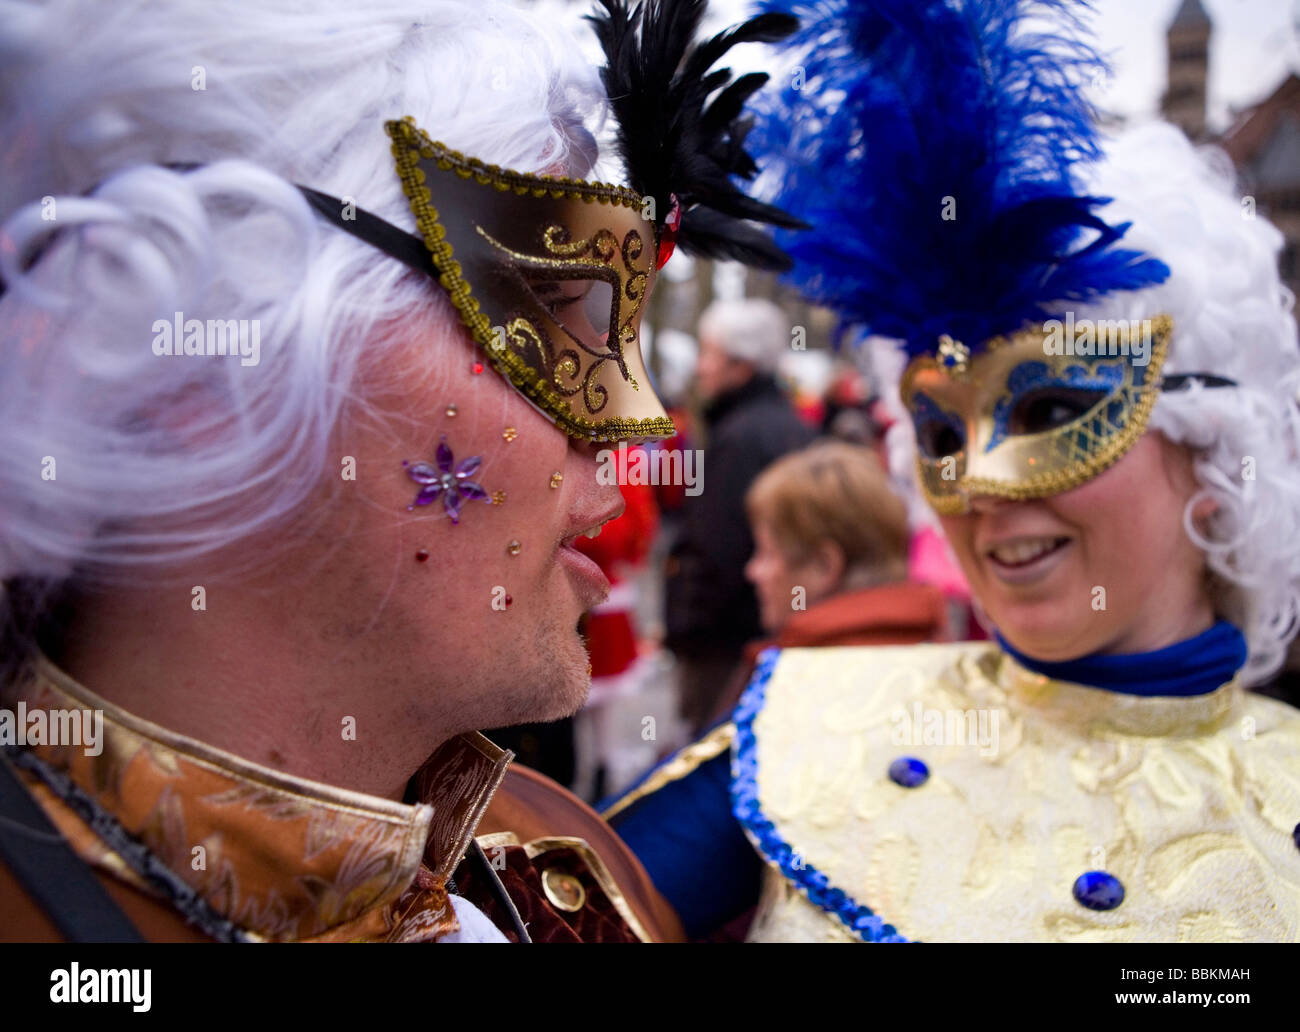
{"points": [[550, 275], [1033, 414]]}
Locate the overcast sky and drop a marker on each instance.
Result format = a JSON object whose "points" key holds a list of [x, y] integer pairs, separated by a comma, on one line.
{"points": [[1253, 46]]}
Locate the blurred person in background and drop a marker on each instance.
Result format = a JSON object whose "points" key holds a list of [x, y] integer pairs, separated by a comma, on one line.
{"points": [[1101, 373], [829, 570], [711, 611], [613, 638]]}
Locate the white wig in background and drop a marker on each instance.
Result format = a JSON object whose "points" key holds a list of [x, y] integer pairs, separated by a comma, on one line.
{"points": [[754, 330], [159, 459], [1232, 318]]}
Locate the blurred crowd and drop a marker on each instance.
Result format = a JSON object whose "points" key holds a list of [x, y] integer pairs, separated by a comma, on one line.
{"points": [[786, 529]]}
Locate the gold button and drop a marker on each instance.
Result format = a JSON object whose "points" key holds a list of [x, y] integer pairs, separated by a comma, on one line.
{"points": [[563, 890]]}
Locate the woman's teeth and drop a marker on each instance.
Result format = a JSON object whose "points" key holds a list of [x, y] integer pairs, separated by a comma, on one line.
{"points": [[1025, 550]]}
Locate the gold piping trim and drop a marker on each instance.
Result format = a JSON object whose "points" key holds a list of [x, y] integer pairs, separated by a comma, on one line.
{"points": [[683, 763], [497, 838]]}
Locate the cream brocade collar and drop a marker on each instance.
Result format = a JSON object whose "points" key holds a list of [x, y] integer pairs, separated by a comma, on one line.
{"points": [[282, 857], [1087, 708]]}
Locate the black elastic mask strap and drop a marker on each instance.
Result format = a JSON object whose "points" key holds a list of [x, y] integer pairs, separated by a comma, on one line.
{"points": [[1181, 381], [405, 247]]}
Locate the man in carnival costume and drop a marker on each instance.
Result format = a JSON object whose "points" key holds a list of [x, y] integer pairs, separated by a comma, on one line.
{"points": [[1101, 379], [309, 339]]}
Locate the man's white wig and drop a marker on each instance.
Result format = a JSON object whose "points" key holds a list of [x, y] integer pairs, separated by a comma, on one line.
{"points": [[111, 455]]}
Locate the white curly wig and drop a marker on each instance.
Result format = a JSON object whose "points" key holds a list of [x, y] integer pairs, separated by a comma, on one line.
{"points": [[158, 460], [1233, 318]]}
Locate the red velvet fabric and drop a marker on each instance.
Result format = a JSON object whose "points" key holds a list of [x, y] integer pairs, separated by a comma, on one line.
{"points": [[597, 921]]}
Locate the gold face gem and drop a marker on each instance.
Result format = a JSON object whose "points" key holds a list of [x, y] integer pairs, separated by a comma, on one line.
{"points": [[514, 547], [557, 479], [451, 411], [509, 433], [498, 498]]}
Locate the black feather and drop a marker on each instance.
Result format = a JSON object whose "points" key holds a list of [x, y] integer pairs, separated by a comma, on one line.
{"points": [[672, 139]]}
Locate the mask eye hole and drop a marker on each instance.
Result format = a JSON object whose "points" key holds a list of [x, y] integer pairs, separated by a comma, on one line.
{"points": [[939, 433], [581, 307], [938, 440], [1051, 408]]}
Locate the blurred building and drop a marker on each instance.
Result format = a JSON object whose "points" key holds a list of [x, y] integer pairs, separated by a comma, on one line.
{"points": [[1188, 44], [1263, 140]]}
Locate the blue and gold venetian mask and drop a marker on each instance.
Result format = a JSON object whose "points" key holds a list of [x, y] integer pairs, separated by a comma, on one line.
{"points": [[1027, 417]]}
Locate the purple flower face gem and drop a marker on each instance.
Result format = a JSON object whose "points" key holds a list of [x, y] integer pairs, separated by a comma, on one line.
{"points": [[447, 479]]}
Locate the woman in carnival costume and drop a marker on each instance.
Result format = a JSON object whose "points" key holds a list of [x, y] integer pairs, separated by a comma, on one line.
{"points": [[1102, 376]]}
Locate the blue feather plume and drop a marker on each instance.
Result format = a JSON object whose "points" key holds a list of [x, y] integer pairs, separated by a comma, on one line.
{"points": [[910, 110]]}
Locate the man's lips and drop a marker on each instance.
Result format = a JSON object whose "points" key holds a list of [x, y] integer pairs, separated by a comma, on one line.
{"points": [[589, 579]]}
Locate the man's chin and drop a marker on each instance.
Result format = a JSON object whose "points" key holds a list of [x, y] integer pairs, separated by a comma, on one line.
{"points": [[560, 691]]}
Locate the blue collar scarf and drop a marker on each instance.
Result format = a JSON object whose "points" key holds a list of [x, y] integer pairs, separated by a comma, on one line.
{"points": [[1196, 666]]}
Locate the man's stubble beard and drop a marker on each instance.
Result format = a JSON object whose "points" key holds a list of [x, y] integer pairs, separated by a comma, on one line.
{"points": [[552, 684]]}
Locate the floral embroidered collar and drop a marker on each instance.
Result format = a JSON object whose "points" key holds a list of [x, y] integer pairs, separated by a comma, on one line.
{"points": [[281, 857]]}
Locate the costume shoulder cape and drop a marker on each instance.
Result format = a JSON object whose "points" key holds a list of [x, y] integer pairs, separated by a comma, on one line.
{"points": [[1190, 804]]}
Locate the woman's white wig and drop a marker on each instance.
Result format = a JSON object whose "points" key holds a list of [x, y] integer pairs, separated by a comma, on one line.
{"points": [[1233, 317], [113, 457]]}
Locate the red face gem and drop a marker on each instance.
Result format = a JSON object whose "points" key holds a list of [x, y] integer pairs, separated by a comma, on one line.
{"points": [[508, 601], [668, 239], [421, 556], [477, 368]]}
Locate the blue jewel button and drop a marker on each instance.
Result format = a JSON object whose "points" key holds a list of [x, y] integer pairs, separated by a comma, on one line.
{"points": [[1098, 890], [909, 772]]}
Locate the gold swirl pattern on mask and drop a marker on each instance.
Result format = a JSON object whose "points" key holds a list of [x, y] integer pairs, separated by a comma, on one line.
{"points": [[411, 145]]}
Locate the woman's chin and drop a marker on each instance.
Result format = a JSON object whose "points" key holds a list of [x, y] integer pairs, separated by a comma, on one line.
{"points": [[1048, 640]]}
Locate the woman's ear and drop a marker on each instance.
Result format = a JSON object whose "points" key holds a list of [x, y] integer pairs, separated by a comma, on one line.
{"points": [[1203, 508], [826, 565]]}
